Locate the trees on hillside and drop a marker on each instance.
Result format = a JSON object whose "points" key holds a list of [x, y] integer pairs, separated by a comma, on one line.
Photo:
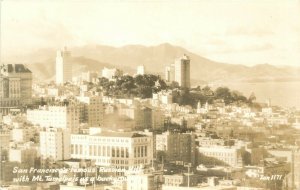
{"points": [[143, 86]]}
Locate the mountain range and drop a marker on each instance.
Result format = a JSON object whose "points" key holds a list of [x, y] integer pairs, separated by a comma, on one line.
{"points": [[154, 58]]}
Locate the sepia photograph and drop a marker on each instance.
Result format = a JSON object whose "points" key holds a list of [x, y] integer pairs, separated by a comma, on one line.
{"points": [[149, 94]]}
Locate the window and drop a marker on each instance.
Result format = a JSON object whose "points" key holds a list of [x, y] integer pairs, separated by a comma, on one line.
{"points": [[113, 151], [127, 153]]}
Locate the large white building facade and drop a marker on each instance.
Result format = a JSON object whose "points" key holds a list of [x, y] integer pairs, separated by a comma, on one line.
{"points": [[55, 143], [116, 149], [63, 66], [228, 155], [65, 117]]}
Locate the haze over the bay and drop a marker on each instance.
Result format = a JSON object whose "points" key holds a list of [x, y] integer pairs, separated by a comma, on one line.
{"points": [[238, 32]]}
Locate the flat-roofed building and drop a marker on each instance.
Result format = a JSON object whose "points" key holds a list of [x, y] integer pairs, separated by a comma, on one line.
{"points": [[228, 155], [15, 86], [92, 110], [179, 147], [120, 149], [55, 143], [66, 117]]}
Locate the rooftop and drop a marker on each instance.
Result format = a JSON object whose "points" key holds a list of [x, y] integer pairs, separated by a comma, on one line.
{"points": [[15, 68], [119, 134]]}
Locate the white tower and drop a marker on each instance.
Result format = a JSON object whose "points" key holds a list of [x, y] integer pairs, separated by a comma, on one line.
{"points": [[140, 70], [199, 107], [63, 66]]}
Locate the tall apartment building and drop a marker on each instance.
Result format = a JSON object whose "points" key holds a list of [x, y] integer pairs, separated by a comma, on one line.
{"points": [[15, 86], [92, 110], [63, 66], [158, 118], [55, 143], [179, 147], [170, 73], [113, 148], [65, 117], [182, 71]]}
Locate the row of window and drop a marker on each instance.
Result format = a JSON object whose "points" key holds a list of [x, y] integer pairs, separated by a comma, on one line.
{"points": [[219, 154], [96, 150], [140, 151]]}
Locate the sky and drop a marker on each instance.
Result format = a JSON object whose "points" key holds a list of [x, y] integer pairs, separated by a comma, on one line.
{"points": [[232, 31]]}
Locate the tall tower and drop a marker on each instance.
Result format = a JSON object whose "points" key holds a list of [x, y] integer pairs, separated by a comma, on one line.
{"points": [[182, 71], [63, 66]]}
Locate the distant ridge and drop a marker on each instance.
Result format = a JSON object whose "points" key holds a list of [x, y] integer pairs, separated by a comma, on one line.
{"points": [[155, 58]]}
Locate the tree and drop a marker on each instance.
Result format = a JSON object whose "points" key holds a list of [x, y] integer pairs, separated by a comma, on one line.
{"points": [[104, 82], [224, 93], [252, 98], [173, 85], [246, 158]]}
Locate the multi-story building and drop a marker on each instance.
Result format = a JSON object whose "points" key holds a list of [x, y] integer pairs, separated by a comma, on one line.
{"points": [[55, 143], [23, 134], [182, 71], [113, 148], [4, 138], [140, 70], [208, 141], [141, 115], [228, 155], [63, 66], [158, 118], [54, 91], [15, 86], [141, 182], [181, 180], [66, 117], [89, 76], [164, 97], [92, 110], [179, 147], [24, 153], [111, 74], [170, 73]]}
